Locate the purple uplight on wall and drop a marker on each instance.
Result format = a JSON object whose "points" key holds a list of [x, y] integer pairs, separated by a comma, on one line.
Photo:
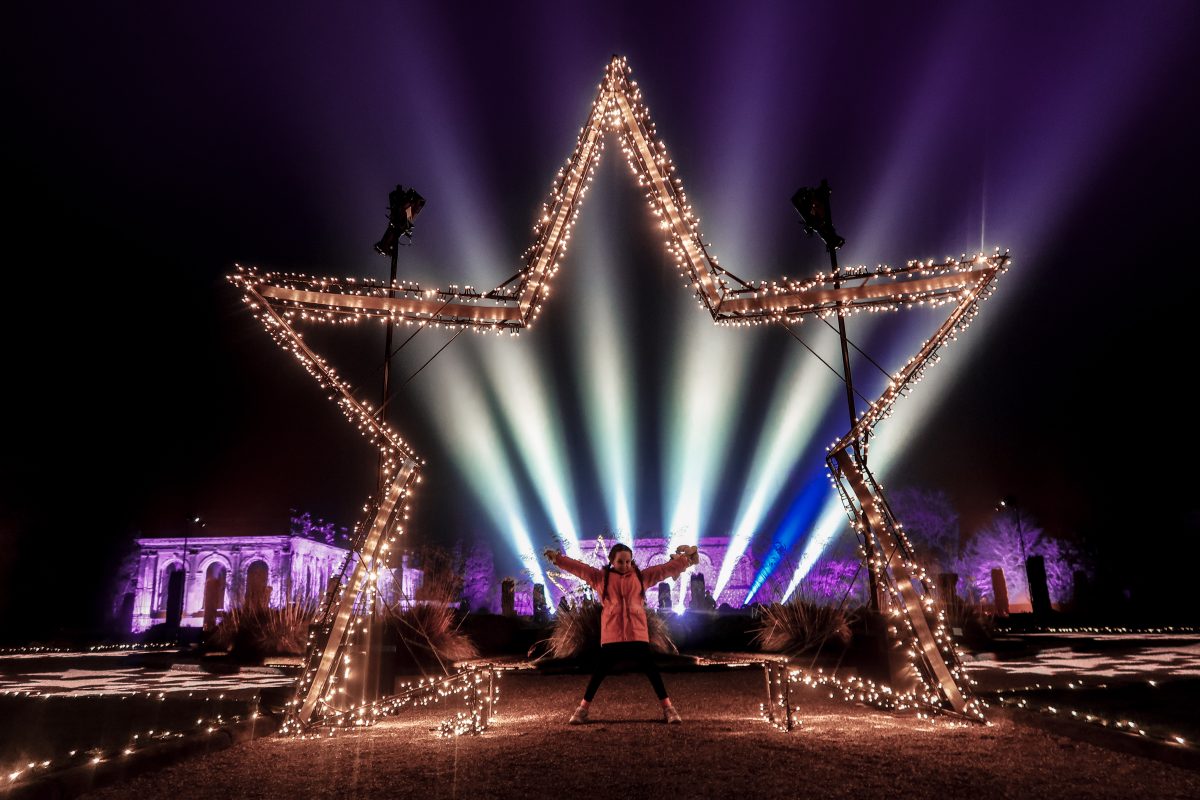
{"points": [[834, 581], [998, 545]]}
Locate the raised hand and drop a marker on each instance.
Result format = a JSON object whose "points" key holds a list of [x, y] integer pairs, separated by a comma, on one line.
{"points": [[551, 555], [690, 552]]}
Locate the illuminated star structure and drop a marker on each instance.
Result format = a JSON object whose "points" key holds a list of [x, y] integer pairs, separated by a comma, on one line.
{"points": [[282, 301]]}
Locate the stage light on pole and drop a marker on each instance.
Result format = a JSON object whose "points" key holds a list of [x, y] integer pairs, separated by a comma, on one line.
{"points": [[403, 207], [813, 205]]}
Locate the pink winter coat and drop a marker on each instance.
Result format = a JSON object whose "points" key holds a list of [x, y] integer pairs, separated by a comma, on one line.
{"points": [[624, 616]]}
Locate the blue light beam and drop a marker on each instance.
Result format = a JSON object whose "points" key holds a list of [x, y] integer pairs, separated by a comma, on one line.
{"points": [[795, 412]]}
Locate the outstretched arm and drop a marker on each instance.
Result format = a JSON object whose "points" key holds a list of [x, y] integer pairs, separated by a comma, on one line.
{"points": [[680, 560], [585, 572]]}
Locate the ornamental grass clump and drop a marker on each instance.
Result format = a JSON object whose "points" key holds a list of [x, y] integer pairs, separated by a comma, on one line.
{"points": [[427, 629], [801, 625], [251, 632]]}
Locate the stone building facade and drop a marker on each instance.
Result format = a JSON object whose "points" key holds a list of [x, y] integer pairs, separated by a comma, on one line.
{"points": [[216, 573]]}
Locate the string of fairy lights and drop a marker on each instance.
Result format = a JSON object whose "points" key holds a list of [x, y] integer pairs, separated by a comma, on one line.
{"points": [[100, 649], [853, 689], [475, 687], [931, 653], [1116, 630], [281, 301], [918, 603], [782, 677], [335, 709], [378, 528], [512, 306], [1015, 698], [137, 743], [871, 549]]}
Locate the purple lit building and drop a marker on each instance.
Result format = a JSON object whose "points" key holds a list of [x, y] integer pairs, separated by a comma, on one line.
{"points": [[221, 572]]}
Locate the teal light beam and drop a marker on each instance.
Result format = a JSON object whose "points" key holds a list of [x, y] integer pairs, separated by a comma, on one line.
{"points": [[527, 408], [464, 423], [605, 370], [796, 409], [708, 387]]}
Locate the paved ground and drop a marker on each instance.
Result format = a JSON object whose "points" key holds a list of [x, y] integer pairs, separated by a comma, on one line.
{"points": [[722, 749], [1093, 659], [1059, 659], [123, 673]]}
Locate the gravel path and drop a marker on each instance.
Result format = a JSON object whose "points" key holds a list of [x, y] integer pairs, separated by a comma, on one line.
{"points": [[721, 750]]}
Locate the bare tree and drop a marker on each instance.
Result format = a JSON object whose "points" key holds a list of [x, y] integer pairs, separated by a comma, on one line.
{"points": [[931, 523], [999, 544]]}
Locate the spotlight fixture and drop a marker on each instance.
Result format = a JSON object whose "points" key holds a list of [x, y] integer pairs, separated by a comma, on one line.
{"points": [[403, 207], [813, 205]]}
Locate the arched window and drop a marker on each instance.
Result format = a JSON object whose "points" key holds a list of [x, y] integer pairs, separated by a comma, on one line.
{"points": [[216, 580], [258, 592], [164, 585]]}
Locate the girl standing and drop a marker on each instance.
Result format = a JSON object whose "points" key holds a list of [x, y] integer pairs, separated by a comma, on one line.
{"points": [[624, 631]]}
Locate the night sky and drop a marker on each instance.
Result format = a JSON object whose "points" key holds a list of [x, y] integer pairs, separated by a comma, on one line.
{"points": [[148, 150]]}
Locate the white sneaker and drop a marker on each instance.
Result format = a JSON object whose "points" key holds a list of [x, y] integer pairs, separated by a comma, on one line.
{"points": [[671, 716], [579, 717]]}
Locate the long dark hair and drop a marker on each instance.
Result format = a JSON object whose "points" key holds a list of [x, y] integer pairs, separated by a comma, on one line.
{"points": [[620, 548]]}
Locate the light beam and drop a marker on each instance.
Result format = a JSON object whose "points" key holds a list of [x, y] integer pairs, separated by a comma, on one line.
{"points": [[796, 409]]}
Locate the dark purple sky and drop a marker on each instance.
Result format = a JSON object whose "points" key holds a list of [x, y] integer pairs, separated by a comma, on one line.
{"points": [[150, 149]]}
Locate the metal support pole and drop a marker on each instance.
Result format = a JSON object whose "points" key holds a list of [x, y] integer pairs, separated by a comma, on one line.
{"points": [[787, 697], [875, 600], [770, 692], [387, 361], [476, 713], [491, 697], [383, 400], [837, 284]]}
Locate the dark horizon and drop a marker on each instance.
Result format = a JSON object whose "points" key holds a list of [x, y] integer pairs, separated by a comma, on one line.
{"points": [[155, 149]]}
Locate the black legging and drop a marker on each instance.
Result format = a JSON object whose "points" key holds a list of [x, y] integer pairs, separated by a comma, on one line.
{"points": [[637, 652]]}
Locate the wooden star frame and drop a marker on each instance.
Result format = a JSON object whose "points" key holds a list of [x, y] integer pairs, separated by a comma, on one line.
{"points": [[282, 301]]}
